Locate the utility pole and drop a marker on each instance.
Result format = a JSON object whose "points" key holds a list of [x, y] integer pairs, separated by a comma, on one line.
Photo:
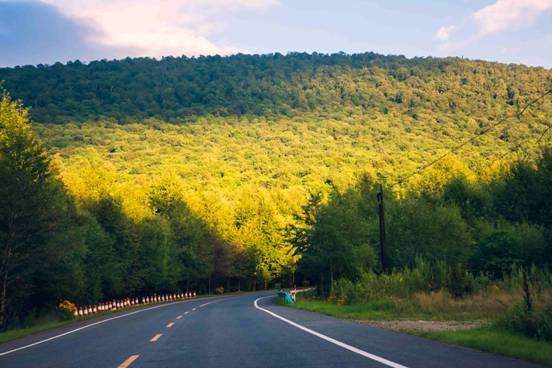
{"points": [[381, 229]]}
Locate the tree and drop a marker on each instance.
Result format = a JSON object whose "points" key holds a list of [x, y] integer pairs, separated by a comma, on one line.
{"points": [[341, 244], [191, 236], [33, 212]]}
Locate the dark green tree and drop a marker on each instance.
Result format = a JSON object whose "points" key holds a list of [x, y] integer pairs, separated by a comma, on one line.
{"points": [[37, 259]]}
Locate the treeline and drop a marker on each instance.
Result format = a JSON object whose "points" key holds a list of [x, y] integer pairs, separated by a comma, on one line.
{"points": [[449, 235], [181, 88], [57, 247], [469, 246]]}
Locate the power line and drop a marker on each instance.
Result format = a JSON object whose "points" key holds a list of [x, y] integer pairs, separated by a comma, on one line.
{"points": [[520, 144], [473, 138]]}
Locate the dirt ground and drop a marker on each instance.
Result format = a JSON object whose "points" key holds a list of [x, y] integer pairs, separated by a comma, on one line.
{"points": [[424, 326]]}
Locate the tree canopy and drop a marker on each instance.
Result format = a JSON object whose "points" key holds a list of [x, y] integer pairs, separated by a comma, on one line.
{"points": [[180, 88]]}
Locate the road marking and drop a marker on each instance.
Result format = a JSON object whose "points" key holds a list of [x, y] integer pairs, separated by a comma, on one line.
{"points": [[186, 312], [170, 325], [156, 337], [206, 304], [194, 309], [179, 317], [329, 339], [129, 361], [90, 325]]}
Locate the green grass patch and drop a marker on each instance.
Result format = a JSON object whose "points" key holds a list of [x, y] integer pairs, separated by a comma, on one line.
{"points": [[355, 311], [497, 341], [387, 309], [22, 332]]}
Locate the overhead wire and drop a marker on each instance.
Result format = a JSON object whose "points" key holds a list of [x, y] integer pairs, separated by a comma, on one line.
{"points": [[476, 136]]}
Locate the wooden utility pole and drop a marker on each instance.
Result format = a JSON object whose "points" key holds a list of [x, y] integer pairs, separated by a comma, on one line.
{"points": [[381, 214]]}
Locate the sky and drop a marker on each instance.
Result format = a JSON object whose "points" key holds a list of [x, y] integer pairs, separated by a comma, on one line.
{"points": [[48, 31]]}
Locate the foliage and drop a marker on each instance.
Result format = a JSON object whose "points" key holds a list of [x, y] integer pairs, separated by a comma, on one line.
{"points": [[434, 239], [535, 323], [424, 277], [67, 309], [67, 305], [533, 316], [38, 243], [176, 88]]}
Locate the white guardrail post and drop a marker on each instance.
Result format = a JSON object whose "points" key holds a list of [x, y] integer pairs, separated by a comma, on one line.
{"points": [[130, 302]]}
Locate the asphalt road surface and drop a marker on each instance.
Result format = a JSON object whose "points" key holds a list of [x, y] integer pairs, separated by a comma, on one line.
{"points": [[241, 331]]}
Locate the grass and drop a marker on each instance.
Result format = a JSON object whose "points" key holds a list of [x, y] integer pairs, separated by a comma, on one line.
{"points": [[487, 338], [390, 309], [39, 327], [498, 341], [379, 311]]}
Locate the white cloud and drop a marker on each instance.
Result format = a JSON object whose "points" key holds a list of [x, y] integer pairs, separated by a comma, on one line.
{"points": [[502, 15], [159, 27], [507, 14], [443, 33]]}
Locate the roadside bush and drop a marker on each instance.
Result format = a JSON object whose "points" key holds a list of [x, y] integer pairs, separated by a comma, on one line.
{"points": [[531, 317], [522, 244], [424, 277], [459, 282], [66, 309], [342, 292], [535, 323]]}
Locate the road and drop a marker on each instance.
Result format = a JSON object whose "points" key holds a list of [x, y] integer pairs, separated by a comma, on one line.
{"points": [[234, 331]]}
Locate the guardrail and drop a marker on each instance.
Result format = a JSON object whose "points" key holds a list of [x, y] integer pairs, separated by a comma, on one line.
{"points": [[130, 302], [289, 295]]}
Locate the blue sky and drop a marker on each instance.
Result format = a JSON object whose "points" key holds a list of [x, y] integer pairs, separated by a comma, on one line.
{"points": [[46, 31]]}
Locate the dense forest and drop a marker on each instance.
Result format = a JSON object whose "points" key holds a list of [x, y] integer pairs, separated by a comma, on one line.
{"points": [[177, 89], [243, 172]]}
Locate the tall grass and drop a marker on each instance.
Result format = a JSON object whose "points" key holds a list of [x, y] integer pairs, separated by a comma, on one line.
{"points": [[533, 316], [438, 290]]}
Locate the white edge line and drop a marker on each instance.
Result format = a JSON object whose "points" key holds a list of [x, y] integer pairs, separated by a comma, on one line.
{"points": [[90, 325], [329, 339]]}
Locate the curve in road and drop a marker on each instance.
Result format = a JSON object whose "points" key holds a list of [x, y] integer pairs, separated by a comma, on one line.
{"points": [[247, 330]]}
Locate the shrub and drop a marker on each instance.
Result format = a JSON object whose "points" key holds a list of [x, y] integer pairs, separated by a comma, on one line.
{"points": [[533, 316], [535, 323], [459, 282], [342, 291], [66, 309], [523, 245]]}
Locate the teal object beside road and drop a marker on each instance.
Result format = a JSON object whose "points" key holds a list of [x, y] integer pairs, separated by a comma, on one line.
{"points": [[288, 298]]}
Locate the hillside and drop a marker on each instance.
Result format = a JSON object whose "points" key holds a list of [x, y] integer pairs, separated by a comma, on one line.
{"points": [[285, 125], [177, 89]]}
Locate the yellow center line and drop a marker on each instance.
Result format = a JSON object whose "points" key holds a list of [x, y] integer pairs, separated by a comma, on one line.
{"points": [[156, 337], [170, 325], [128, 362], [179, 317]]}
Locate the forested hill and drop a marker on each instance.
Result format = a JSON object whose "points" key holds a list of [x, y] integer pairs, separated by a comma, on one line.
{"points": [[180, 88]]}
